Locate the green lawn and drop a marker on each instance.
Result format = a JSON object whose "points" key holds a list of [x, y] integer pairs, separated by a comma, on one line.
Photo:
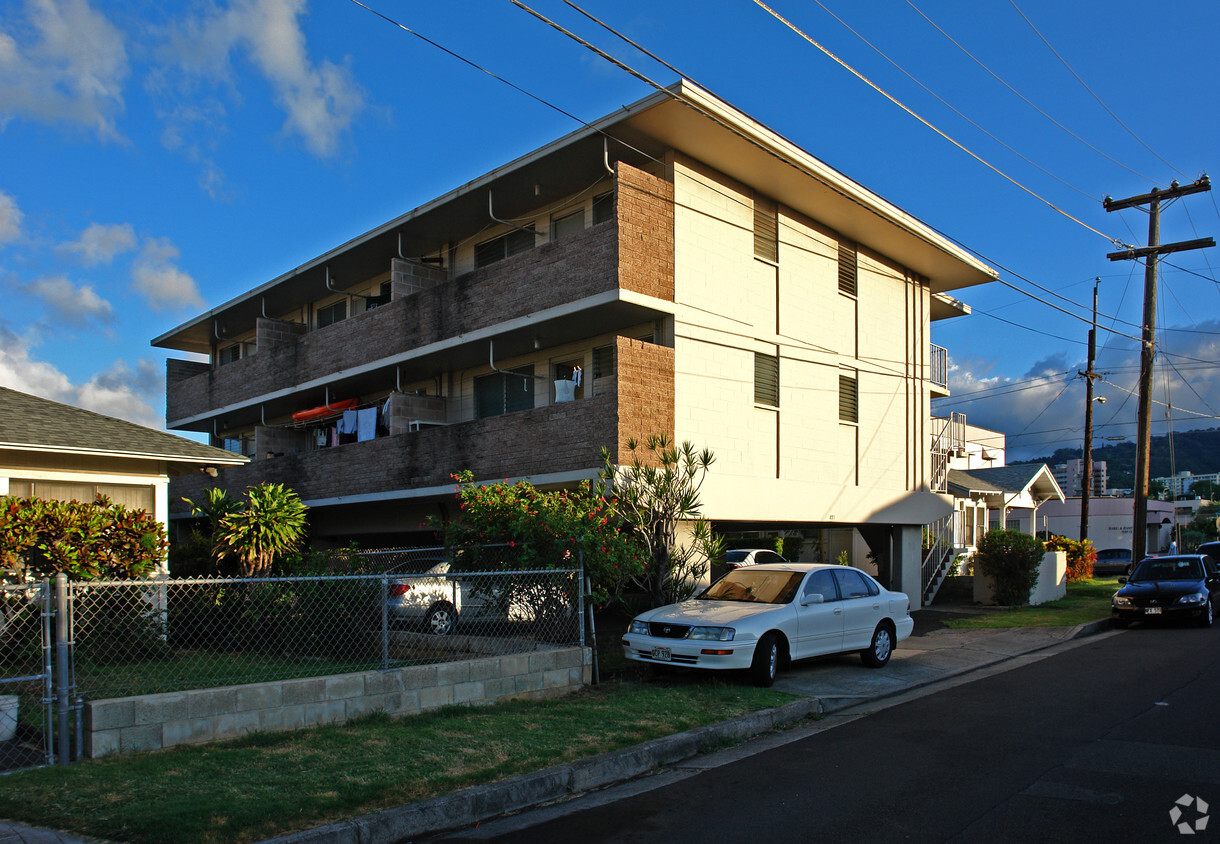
{"points": [[1088, 600], [268, 784]]}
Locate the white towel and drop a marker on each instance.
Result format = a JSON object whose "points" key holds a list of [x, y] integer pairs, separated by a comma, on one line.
{"points": [[366, 424]]}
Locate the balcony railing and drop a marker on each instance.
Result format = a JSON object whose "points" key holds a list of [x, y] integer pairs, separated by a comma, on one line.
{"points": [[939, 367]]}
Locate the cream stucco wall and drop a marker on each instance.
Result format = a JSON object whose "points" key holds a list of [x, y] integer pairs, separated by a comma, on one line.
{"points": [[797, 462]]}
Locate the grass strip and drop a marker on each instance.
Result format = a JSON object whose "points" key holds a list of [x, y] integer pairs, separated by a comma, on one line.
{"points": [[271, 783], [1086, 600]]}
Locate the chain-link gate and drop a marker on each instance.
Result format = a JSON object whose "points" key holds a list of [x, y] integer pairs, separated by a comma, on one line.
{"points": [[26, 690]]}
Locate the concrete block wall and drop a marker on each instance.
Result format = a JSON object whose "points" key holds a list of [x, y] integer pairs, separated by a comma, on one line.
{"points": [[407, 277], [273, 333], [644, 375], [154, 722]]}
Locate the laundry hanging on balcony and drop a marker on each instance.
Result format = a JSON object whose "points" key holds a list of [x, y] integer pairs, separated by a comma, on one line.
{"points": [[324, 410]]}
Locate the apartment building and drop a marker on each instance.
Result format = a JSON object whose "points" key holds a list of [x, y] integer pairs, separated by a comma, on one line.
{"points": [[1070, 477], [674, 267]]}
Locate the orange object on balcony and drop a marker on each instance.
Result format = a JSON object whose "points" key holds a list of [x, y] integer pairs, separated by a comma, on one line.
{"points": [[324, 410]]}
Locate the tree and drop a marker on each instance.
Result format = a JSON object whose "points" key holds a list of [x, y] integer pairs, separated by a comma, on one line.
{"points": [[654, 493], [267, 522], [1010, 558], [1081, 555], [213, 511], [546, 529], [1203, 489]]}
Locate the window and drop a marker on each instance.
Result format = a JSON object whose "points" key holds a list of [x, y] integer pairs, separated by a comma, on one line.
{"points": [[382, 297], [852, 584], [603, 361], [499, 248], [332, 313], [821, 582], [230, 354], [766, 229], [567, 225], [569, 372], [603, 207], [500, 393], [766, 380], [849, 399], [848, 271]]}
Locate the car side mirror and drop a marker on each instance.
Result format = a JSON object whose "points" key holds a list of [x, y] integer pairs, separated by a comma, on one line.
{"points": [[1122, 580], [812, 598]]}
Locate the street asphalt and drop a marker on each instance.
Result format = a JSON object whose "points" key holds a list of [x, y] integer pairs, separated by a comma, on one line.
{"points": [[934, 653]]}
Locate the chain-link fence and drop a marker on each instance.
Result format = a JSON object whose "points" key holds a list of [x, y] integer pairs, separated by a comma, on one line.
{"points": [[25, 675], [398, 608]]}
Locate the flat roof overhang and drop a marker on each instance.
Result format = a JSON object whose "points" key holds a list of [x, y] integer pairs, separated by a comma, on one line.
{"points": [[685, 119]]}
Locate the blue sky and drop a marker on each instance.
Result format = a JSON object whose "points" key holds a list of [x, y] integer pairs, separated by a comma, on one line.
{"points": [[158, 159]]}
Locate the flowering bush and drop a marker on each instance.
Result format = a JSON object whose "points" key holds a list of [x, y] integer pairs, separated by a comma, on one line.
{"points": [[1080, 556], [547, 529]]}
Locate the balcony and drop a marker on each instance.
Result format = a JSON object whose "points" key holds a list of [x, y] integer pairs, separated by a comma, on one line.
{"points": [[562, 292], [560, 438]]}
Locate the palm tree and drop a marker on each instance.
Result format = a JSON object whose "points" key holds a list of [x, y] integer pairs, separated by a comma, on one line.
{"points": [[270, 522]]}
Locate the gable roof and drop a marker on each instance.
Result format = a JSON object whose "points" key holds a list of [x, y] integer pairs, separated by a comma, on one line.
{"points": [[1026, 478], [32, 424]]}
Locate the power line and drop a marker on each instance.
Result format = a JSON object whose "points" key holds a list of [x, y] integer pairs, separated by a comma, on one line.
{"points": [[1024, 98], [949, 105], [1091, 92], [960, 146]]}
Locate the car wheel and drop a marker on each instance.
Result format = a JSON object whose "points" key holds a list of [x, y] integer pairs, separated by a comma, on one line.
{"points": [[879, 650], [766, 661], [1205, 617], [441, 619]]}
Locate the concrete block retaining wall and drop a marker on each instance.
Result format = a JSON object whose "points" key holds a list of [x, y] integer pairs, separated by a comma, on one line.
{"points": [[152, 722]]}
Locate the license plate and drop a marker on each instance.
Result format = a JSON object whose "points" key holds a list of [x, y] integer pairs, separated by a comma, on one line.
{"points": [[1152, 610], [661, 654]]}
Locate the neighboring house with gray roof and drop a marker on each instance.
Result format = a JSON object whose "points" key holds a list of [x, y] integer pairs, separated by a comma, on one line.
{"points": [[58, 452], [999, 497]]}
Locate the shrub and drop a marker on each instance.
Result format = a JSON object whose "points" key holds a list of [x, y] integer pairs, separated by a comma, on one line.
{"points": [[1010, 558], [1081, 555], [41, 538]]}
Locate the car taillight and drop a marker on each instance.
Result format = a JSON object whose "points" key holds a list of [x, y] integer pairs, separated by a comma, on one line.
{"points": [[400, 588]]}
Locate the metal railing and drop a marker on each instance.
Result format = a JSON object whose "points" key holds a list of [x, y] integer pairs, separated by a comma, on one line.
{"points": [[938, 362], [26, 725], [938, 553]]}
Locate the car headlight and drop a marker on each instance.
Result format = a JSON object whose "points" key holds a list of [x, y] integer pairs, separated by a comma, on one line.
{"points": [[1197, 598], [640, 627], [1122, 601], [713, 634]]}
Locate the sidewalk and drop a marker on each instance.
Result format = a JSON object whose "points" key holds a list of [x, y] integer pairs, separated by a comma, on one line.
{"points": [[826, 685]]}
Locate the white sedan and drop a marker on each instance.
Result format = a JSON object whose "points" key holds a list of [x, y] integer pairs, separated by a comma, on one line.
{"points": [[762, 617]]}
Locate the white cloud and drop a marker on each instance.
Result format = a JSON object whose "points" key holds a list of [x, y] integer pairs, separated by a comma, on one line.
{"points": [[99, 243], [70, 67], [71, 304], [121, 392], [320, 100], [1043, 410], [10, 218], [156, 276], [19, 371], [117, 391]]}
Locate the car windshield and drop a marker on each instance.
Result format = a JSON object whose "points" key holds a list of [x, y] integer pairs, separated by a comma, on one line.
{"points": [[1167, 569], [753, 585]]}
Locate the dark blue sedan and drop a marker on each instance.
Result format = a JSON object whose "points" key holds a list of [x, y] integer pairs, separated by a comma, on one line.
{"points": [[1184, 586]]}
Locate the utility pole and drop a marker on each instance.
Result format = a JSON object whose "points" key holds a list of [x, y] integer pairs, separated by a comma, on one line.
{"points": [[1151, 252], [1087, 487]]}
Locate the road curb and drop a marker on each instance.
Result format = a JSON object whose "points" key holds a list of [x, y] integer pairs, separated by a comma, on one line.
{"points": [[473, 805]]}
